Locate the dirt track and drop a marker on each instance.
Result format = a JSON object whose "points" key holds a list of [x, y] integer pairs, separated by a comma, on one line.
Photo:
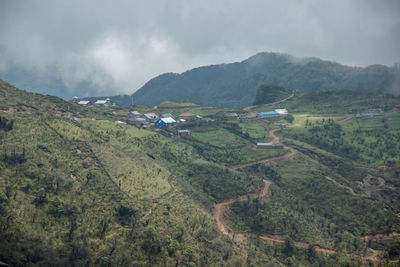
{"points": [[348, 117], [275, 139], [241, 238]]}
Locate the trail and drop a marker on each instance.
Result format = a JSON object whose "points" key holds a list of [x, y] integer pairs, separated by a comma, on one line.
{"points": [[274, 103], [275, 139], [348, 117], [340, 185], [241, 239]]}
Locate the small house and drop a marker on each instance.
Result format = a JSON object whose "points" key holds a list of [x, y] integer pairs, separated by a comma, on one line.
{"points": [[85, 103], [167, 115], [150, 116], [270, 145], [231, 115], [136, 121], [183, 132], [75, 99], [103, 103], [134, 114], [165, 122], [277, 113], [282, 111], [188, 116]]}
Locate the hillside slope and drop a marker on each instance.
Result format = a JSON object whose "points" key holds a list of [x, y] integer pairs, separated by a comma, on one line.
{"points": [[235, 85], [76, 189]]}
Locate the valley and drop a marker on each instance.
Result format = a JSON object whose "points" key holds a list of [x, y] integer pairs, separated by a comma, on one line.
{"points": [[318, 186]]}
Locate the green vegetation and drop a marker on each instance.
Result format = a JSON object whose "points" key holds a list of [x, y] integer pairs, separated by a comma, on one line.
{"points": [[78, 189], [364, 144], [235, 85], [267, 94]]}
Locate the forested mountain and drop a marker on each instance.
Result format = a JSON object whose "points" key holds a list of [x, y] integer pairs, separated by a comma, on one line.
{"points": [[235, 85]]}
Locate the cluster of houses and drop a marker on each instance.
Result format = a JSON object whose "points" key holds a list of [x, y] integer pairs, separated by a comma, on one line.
{"points": [[370, 112], [99, 103], [148, 120], [277, 113]]}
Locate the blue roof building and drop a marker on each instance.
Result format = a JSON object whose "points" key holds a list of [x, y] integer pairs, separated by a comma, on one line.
{"points": [[165, 122]]}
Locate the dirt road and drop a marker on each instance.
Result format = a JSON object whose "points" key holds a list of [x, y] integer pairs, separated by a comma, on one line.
{"points": [[275, 139], [241, 238]]}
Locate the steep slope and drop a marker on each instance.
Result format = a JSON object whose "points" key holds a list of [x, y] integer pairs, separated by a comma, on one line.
{"points": [[75, 190]]}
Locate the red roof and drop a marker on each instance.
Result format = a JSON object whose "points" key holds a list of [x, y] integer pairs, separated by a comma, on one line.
{"points": [[187, 115]]}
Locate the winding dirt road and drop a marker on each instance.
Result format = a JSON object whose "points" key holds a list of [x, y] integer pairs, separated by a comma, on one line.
{"points": [[275, 139], [240, 239]]}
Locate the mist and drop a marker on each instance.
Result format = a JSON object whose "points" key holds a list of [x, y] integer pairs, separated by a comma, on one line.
{"points": [[109, 48]]}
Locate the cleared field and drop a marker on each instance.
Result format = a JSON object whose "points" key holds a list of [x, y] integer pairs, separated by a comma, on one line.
{"points": [[301, 119], [256, 130], [220, 138]]}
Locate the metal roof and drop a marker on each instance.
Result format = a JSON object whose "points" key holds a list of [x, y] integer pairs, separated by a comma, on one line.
{"points": [[168, 120], [269, 113], [265, 144]]}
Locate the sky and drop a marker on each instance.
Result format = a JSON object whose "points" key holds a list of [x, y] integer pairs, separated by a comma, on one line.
{"points": [[117, 46]]}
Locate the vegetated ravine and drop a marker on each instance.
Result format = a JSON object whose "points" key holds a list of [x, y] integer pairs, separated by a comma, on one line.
{"points": [[240, 239]]}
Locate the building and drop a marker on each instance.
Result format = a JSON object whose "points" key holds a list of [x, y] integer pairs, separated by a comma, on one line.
{"points": [[85, 103], [370, 112], [150, 116], [231, 115], [188, 116], [270, 145], [282, 111], [103, 103], [75, 99], [134, 114], [183, 132], [165, 122], [167, 115], [277, 113], [136, 121]]}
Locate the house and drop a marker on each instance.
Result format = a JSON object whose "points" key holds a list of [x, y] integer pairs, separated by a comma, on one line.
{"points": [[270, 145], [150, 116], [164, 122], [134, 114], [370, 112], [282, 111], [85, 103], [167, 115], [103, 103], [188, 116], [75, 99], [277, 113], [269, 114], [231, 115], [183, 132], [136, 121]]}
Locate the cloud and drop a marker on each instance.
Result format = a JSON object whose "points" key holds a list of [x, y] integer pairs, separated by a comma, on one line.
{"points": [[116, 46]]}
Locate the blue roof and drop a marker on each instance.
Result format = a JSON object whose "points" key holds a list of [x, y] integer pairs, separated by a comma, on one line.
{"points": [[269, 113]]}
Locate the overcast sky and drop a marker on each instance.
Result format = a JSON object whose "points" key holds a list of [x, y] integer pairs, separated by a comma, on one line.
{"points": [[119, 45]]}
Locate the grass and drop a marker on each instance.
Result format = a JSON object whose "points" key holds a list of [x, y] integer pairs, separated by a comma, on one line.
{"points": [[256, 129], [220, 138], [300, 120]]}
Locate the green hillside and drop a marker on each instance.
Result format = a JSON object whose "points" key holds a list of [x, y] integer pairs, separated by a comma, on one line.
{"points": [[76, 188], [267, 94], [235, 84]]}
